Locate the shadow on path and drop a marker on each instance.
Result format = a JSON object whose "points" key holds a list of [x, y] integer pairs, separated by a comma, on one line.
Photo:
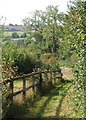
{"points": [[54, 92], [60, 104], [21, 110]]}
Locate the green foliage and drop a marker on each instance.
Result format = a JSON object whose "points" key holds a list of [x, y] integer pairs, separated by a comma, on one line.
{"points": [[9, 50], [2, 22], [15, 35], [25, 62], [63, 35], [74, 45], [24, 35], [43, 26], [52, 66], [19, 59], [11, 24], [65, 63]]}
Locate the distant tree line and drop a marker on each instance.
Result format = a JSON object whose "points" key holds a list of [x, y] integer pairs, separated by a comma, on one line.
{"points": [[10, 24]]}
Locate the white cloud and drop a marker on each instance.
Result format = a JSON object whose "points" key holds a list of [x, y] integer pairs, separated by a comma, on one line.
{"points": [[16, 10]]}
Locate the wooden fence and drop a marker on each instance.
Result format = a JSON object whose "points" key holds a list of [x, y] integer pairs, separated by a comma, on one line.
{"points": [[36, 78]]}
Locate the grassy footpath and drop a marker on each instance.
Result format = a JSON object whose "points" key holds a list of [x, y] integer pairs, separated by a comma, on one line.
{"points": [[50, 105], [54, 103]]}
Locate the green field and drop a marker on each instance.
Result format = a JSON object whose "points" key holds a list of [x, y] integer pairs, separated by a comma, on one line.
{"points": [[9, 33]]}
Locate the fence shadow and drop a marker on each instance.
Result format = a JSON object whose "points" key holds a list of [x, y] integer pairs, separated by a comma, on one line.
{"points": [[60, 104], [54, 92], [20, 110]]}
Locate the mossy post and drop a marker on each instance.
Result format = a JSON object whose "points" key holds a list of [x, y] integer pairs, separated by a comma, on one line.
{"points": [[11, 100], [41, 80], [33, 87], [24, 88], [50, 82], [11, 90], [60, 76]]}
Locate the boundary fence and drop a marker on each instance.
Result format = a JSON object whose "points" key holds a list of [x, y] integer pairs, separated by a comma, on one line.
{"points": [[37, 80]]}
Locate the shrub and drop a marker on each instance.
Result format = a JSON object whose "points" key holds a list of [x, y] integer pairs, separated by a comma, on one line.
{"points": [[15, 35], [24, 63], [24, 35], [19, 59]]}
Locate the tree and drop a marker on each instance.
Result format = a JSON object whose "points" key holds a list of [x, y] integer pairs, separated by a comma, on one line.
{"points": [[74, 43], [2, 22], [24, 35], [44, 25], [15, 35], [10, 24], [51, 29]]}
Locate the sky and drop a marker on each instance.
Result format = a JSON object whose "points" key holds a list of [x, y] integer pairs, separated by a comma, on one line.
{"points": [[16, 10]]}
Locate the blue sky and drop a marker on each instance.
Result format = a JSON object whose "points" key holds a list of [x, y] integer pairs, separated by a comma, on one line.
{"points": [[16, 10]]}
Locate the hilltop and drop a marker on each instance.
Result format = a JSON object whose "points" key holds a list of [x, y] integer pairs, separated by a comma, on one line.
{"points": [[14, 28]]}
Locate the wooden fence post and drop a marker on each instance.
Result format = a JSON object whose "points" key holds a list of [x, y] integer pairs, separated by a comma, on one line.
{"points": [[40, 81], [11, 89], [60, 76], [50, 78], [11, 100], [33, 88], [33, 84], [24, 88], [62, 80]]}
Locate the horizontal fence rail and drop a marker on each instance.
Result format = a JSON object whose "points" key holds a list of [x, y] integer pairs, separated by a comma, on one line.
{"points": [[36, 78], [20, 78]]}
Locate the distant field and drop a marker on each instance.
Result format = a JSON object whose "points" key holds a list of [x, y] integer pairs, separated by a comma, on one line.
{"points": [[9, 33]]}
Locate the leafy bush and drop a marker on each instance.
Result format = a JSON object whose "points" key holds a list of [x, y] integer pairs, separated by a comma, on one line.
{"points": [[52, 66], [24, 35], [19, 59], [15, 35], [25, 63]]}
